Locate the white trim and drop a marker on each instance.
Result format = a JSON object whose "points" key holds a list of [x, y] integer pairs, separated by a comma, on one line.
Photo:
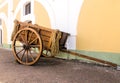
{"points": [[3, 17], [73, 15], [74, 12], [10, 20]]}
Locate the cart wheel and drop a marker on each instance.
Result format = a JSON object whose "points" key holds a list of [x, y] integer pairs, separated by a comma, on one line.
{"points": [[47, 53], [27, 46]]}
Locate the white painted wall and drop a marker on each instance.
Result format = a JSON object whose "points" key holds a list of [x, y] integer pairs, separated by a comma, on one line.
{"points": [[10, 20], [73, 12], [3, 16], [60, 9]]}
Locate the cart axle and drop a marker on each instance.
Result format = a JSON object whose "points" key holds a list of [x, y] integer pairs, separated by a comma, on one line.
{"points": [[26, 47]]}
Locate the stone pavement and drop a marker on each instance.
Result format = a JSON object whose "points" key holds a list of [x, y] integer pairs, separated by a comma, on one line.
{"points": [[53, 70]]}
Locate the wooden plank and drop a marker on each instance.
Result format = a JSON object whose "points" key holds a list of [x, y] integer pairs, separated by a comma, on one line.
{"points": [[41, 27], [45, 33], [90, 58], [45, 45], [45, 38]]}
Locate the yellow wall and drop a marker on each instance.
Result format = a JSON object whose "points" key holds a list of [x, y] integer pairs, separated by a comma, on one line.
{"points": [[15, 4], [18, 15], [1, 1], [4, 9], [99, 26], [4, 32], [41, 15]]}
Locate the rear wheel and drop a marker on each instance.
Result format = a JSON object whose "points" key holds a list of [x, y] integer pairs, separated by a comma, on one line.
{"points": [[47, 53]]}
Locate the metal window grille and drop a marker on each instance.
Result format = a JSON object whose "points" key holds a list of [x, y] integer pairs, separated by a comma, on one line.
{"points": [[28, 8]]}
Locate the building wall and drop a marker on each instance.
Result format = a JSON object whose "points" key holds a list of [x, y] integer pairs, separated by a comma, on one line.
{"points": [[98, 29], [65, 16], [4, 33], [98, 26], [53, 15], [4, 9], [41, 15], [3, 15], [15, 5]]}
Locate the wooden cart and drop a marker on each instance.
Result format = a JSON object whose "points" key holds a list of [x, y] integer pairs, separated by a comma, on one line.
{"points": [[31, 41]]}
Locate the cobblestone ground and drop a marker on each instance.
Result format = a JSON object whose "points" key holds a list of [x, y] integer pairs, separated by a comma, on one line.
{"points": [[52, 70]]}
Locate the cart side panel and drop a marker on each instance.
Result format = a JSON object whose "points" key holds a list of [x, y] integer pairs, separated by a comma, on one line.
{"points": [[46, 37]]}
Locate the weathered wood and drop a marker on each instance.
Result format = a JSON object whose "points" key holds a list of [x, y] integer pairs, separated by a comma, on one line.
{"points": [[24, 46], [45, 33], [49, 37], [90, 58], [63, 39]]}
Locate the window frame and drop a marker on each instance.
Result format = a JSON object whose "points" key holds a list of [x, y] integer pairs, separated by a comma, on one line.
{"points": [[27, 8]]}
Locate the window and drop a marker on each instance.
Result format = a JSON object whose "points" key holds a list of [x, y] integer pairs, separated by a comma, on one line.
{"points": [[27, 8]]}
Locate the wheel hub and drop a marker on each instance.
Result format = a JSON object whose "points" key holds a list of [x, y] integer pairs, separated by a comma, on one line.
{"points": [[26, 46]]}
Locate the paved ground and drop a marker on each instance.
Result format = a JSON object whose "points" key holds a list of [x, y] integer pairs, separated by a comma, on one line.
{"points": [[51, 70]]}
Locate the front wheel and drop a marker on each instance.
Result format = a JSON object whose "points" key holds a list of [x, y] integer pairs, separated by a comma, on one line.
{"points": [[27, 46]]}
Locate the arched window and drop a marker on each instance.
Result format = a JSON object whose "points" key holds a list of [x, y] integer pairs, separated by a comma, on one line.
{"points": [[27, 8]]}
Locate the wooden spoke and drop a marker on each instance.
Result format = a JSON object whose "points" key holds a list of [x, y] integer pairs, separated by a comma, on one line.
{"points": [[20, 51], [26, 36], [33, 40], [27, 57], [22, 38], [30, 37], [22, 55], [35, 46], [31, 55], [18, 46]]}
